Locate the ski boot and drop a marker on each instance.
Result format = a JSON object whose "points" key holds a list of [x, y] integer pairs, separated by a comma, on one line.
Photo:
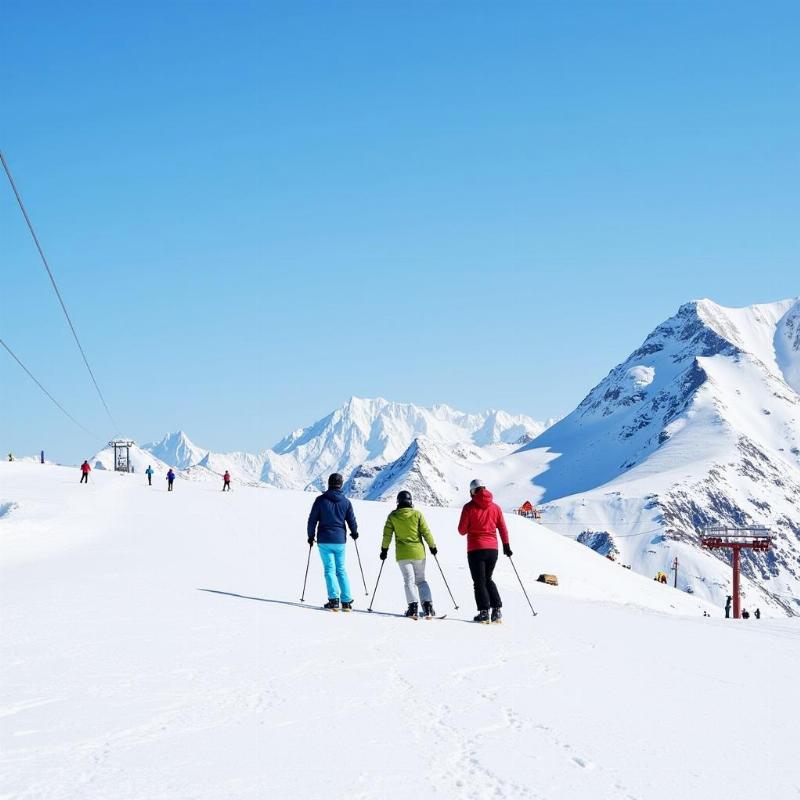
{"points": [[332, 604], [412, 611], [482, 616], [497, 615], [427, 610], [347, 605]]}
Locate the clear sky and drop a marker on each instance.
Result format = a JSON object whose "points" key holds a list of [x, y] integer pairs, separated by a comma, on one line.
{"points": [[256, 210]]}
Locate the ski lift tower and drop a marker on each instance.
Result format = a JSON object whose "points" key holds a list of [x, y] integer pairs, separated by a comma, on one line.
{"points": [[723, 537], [122, 454]]}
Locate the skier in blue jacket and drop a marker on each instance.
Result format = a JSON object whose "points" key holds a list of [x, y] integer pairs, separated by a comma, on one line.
{"points": [[331, 512]]}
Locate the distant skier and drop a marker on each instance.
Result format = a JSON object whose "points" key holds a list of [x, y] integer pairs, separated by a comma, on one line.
{"points": [[745, 614], [10, 456], [170, 479], [41, 457], [757, 613], [85, 470], [226, 481], [481, 518], [728, 607], [149, 472], [409, 528], [331, 512]]}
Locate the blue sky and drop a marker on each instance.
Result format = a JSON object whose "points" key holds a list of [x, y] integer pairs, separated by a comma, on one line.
{"points": [[256, 210]]}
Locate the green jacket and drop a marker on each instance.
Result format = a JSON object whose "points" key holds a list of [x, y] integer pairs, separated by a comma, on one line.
{"points": [[409, 528]]}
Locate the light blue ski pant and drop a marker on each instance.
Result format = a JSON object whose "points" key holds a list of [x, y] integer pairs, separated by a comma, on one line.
{"points": [[332, 556]]}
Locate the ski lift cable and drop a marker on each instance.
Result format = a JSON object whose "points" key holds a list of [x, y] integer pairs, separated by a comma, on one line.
{"points": [[38, 383], [55, 288]]}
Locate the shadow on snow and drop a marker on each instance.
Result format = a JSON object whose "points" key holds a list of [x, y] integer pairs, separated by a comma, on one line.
{"points": [[311, 607]]}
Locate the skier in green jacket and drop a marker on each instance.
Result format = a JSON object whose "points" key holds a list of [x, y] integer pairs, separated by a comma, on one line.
{"points": [[409, 528]]}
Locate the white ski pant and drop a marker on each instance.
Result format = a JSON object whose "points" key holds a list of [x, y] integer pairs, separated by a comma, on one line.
{"points": [[413, 571]]}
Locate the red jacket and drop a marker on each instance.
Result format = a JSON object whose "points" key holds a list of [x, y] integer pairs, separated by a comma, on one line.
{"points": [[226, 477], [481, 518], [85, 467]]}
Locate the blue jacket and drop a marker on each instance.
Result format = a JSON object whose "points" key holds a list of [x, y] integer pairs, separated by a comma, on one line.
{"points": [[330, 512]]}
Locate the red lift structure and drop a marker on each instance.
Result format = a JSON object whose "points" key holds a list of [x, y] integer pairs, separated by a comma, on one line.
{"points": [[724, 537]]}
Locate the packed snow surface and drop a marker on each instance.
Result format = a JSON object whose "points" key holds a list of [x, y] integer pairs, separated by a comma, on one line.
{"points": [[154, 647]]}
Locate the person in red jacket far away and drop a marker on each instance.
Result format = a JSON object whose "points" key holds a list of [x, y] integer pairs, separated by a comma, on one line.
{"points": [[85, 470], [226, 481], [480, 521]]}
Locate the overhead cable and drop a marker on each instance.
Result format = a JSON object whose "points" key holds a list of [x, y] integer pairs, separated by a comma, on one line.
{"points": [[36, 381], [55, 287]]}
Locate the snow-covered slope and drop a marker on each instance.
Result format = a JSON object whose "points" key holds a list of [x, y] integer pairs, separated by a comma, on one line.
{"points": [[700, 424], [167, 656]]}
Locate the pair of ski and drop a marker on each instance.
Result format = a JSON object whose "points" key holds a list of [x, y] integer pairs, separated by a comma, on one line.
{"points": [[382, 613]]}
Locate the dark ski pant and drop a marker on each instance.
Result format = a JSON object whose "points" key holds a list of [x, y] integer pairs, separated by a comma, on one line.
{"points": [[149, 480], [85, 477], [481, 567], [169, 486], [226, 487]]}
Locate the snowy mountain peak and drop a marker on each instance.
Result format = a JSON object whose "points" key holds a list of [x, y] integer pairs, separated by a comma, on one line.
{"points": [[177, 450], [681, 370], [359, 439]]}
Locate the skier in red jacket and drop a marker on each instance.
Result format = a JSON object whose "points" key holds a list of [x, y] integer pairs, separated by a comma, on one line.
{"points": [[85, 470], [226, 481], [481, 518]]}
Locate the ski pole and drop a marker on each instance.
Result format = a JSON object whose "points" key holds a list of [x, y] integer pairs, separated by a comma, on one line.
{"points": [[383, 561], [522, 585], [308, 563], [445, 582], [366, 591]]}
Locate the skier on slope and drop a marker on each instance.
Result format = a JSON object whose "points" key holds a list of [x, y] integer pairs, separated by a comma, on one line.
{"points": [[170, 479], [85, 470], [728, 607], [481, 518], [409, 528], [331, 512], [226, 481], [149, 472]]}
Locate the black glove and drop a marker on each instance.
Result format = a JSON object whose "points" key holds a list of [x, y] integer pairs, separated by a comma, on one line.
{"points": [[507, 550], [434, 550], [384, 553], [354, 535], [311, 542]]}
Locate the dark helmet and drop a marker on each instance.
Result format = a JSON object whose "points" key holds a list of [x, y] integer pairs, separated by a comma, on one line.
{"points": [[335, 481], [404, 500]]}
